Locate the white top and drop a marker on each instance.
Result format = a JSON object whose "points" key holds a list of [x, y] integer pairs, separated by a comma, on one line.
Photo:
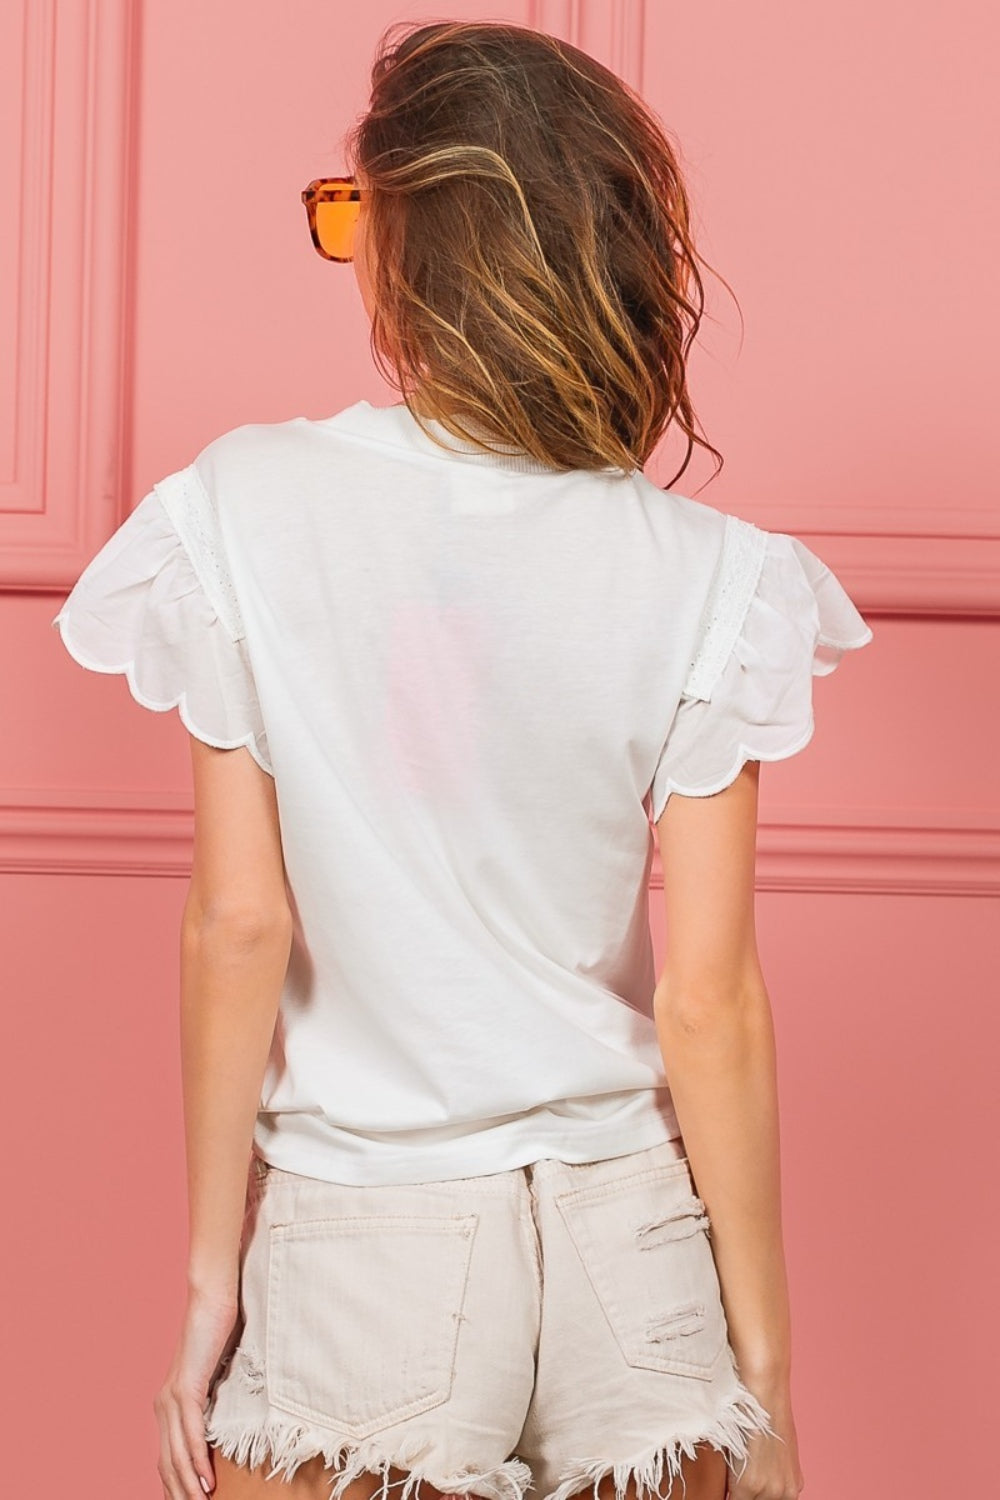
{"points": [[475, 680]]}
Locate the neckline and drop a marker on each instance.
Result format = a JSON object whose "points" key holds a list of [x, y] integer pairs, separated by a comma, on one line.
{"points": [[397, 424]]}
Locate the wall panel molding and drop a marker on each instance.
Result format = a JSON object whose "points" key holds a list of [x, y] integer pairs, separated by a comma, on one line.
{"points": [[611, 30], [68, 76], [905, 852], [96, 833], [903, 574]]}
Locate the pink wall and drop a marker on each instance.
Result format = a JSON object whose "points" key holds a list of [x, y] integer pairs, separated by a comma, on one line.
{"points": [[838, 159]]}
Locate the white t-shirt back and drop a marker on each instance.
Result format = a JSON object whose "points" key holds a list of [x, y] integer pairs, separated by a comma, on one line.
{"points": [[476, 680]]}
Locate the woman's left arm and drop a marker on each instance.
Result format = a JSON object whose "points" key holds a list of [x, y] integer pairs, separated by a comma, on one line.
{"points": [[236, 936]]}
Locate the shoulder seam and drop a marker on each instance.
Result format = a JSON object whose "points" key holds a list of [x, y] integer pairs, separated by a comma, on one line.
{"points": [[193, 515], [736, 578]]}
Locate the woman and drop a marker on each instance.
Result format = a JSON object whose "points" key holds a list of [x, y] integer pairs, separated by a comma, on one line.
{"points": [[444, 665]]}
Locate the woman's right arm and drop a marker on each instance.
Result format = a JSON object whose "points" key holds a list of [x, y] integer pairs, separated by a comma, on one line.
{"points": [[715, 1030]]}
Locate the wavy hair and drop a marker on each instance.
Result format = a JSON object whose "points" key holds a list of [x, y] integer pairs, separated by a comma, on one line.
{"points": [[533, 271]]}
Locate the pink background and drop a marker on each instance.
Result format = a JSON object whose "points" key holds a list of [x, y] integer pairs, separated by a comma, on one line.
{"points": [[842, 164]]}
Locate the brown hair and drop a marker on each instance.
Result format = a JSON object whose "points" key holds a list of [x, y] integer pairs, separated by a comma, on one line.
{"points": [[533, 268]]}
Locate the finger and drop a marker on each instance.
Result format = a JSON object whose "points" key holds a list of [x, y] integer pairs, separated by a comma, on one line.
{"points": [[193, 1419], [164, 1462], [746, 1487], [185, 1477], [168, 1481]]}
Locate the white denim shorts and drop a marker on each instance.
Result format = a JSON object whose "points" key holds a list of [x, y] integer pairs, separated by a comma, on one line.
{"points": [[531, 1330]]}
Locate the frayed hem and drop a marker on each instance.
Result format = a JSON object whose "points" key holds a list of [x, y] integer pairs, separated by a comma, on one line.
{"points": [[743, 1417], [289, 1444]]}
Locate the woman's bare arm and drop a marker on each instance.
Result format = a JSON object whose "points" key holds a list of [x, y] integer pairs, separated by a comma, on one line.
{"points": [[714, 1026], [235, 941]]}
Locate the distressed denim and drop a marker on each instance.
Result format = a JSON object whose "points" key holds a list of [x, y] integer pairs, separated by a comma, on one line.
{"points": [[528, 1330]]}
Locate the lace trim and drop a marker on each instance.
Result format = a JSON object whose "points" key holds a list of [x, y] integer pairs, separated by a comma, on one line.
{"points": [[193, 515], [742, 556]]}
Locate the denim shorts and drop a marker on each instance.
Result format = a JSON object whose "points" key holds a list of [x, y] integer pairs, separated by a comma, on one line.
{"points": [[528, 1330]]}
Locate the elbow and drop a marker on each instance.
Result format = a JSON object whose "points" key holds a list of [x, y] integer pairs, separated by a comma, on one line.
{"points": [[694, 1011], [239, 927]]}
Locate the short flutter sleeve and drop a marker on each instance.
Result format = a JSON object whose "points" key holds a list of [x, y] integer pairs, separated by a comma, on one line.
{"points": [[158, 604], [776, 617]]}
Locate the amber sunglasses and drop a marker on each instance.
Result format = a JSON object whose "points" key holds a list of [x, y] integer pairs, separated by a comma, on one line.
{"points": [[332, 205]]}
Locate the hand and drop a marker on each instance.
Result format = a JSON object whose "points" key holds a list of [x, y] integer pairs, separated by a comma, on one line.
{"points": [[206, 1337], [772, 1469]]}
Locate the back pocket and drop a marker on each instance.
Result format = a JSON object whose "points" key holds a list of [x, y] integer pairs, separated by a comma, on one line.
{"points": [[363, 1316], [644, 1244]]}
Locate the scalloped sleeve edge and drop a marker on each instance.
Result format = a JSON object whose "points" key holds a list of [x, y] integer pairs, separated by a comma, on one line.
{"points": [[140, 609]]}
